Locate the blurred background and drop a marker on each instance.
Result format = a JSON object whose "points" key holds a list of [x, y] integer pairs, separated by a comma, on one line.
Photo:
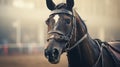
{"points": [[23, 29]]}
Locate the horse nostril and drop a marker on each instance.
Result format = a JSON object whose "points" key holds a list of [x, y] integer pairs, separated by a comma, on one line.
{"points": [[51, 53], [55, 52]]}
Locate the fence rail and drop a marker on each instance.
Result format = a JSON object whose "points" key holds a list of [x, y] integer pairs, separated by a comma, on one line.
{"points": [[14, 49]]}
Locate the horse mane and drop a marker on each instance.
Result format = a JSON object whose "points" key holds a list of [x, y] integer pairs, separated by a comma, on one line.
{"points": [[79, 20], [61, 5]]}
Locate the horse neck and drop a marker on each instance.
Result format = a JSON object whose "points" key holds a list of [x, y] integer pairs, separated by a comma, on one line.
{"points": [[83, 54]]}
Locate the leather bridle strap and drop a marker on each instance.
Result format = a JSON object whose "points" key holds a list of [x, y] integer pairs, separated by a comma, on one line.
{"points": [[76, 44], [74, 25], [61, 11], [79, 41]]}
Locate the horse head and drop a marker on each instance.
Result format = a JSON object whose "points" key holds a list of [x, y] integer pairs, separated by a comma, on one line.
{"points": [[66, 31], [60, 29]]}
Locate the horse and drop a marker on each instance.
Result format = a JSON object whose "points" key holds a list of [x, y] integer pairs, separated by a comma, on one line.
{"points": [[68, 33]]}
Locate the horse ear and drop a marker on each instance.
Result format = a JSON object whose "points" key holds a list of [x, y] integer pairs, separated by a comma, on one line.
{"points": [[70, 4], [50, 4]]}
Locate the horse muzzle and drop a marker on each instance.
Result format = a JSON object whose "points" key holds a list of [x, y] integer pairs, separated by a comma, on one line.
{"points": [[53, 55]]}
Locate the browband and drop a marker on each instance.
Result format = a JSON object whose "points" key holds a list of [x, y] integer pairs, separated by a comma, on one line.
{"points": [[57, 11]]}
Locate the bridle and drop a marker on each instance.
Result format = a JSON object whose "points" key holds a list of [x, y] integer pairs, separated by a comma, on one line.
{"points": [[61, 36], [67, 37]]}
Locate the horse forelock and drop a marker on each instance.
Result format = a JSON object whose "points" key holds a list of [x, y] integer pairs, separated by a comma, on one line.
{"points": [[61, 5]]}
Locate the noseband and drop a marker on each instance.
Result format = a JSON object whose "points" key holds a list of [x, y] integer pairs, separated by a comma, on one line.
{"points": [[67, 37]]}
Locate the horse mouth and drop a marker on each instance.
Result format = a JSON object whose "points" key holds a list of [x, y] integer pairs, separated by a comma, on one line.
{"points": [[54, 60]]}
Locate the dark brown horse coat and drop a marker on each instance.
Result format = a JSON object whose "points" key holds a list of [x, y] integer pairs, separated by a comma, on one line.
{"points": [[69, 34]]}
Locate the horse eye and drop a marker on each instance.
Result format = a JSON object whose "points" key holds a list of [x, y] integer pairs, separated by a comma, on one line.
{"points": [[67, 21]]}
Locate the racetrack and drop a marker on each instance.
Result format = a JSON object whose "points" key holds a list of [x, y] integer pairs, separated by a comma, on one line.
{"points": [[30, 61]]}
